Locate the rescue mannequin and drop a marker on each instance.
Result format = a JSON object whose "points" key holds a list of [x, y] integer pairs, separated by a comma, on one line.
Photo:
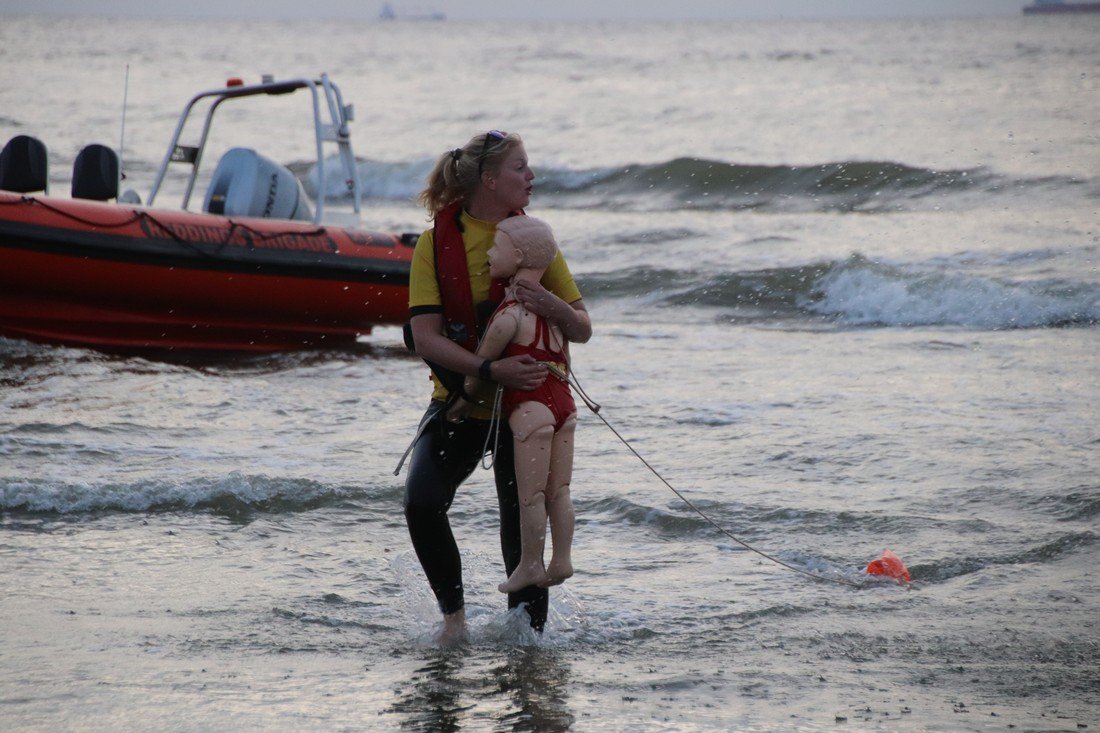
{"points": [[543, 420], [468, 192]]}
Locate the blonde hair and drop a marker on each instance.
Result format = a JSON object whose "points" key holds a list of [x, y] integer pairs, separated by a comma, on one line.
{"points": [[533, 237], [457, 173]]}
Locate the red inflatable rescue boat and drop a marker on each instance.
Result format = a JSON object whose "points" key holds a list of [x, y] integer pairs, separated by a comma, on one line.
{"points": [[255, 270]]}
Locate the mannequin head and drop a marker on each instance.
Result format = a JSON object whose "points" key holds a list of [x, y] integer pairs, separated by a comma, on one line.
{"points": [[522, 242]]}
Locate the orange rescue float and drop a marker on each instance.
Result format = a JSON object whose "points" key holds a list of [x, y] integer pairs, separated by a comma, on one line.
{"points": [[889, 566]]}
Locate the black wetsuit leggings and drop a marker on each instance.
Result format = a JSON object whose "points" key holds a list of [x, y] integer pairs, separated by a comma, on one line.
{"points": [[446, 454]]}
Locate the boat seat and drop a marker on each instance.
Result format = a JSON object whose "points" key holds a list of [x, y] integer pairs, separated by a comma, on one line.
{"points": [[23, 165], [95, 173]]}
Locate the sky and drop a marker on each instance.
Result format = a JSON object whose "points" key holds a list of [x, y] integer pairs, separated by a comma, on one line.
{"points": [[521, 9]]}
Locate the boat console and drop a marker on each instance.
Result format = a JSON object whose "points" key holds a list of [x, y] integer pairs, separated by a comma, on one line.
{"points": [[330, 125]]}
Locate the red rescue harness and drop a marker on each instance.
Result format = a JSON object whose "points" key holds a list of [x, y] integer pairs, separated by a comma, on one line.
{"points": [[460, 314]]}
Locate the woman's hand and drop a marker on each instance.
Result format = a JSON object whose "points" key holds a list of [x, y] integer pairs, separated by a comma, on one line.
{"points": [[572, 319], [519, 372], [459, 411], [537, 299]]}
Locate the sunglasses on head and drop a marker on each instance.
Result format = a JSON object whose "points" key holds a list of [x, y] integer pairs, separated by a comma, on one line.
{"points": [[491, 139]]}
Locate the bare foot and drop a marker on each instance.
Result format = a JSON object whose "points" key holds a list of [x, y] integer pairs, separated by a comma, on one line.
{"points": [[522, 577], [557, 572], [454, 628]]}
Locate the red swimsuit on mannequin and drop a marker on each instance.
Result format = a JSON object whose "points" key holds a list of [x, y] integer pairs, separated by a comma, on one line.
{"points": [[554, 392]]}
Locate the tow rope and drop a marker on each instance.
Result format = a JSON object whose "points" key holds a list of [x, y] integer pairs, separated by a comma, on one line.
{"points": [[595, 408]]}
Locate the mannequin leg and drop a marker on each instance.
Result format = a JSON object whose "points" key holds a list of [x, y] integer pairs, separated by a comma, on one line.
{"points": [[534, 600], [559, 504], [533, 427]]}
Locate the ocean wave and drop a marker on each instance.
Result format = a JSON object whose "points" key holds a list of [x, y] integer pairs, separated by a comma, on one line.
{"points": [[691, 183], [860, 292], [695, 183], [233, 495], [666, 522], [1080, 505], [1051, 551]]}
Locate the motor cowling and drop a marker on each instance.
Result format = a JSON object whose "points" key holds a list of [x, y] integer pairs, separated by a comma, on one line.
{"points": [[246, 183]]}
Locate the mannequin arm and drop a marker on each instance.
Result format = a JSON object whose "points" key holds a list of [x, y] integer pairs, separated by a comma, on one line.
{"points": [[502, 329], [517, 372]]}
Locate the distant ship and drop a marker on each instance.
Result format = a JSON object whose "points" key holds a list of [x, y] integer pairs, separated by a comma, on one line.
{"points": [[388, 13], [1052, 7]]}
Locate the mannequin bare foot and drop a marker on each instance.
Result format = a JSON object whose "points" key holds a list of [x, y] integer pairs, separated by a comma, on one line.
{"points": [[557, 572], [454, 628], [523, 576]]}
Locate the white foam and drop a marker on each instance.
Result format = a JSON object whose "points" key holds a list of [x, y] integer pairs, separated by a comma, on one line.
{"points": [[488, 620], [378, 180], [85, 496], [861, 292]]}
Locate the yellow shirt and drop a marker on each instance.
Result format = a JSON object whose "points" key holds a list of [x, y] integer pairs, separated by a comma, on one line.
{"points": [[478, 237]]}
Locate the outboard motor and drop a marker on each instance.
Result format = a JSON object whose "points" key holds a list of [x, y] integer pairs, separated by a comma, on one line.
{"points": [[95, 173], [23, 165], [246, 183]]}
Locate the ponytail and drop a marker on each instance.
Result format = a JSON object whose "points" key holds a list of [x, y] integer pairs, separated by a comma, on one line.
{"points": [[457, 173]]}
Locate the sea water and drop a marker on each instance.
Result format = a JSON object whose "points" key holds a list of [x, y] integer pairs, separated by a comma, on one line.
{"points": [[844, 281]]}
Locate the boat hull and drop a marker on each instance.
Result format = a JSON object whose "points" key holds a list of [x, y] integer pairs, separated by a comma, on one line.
{"points": [[117, 277], [1061, 8]]}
